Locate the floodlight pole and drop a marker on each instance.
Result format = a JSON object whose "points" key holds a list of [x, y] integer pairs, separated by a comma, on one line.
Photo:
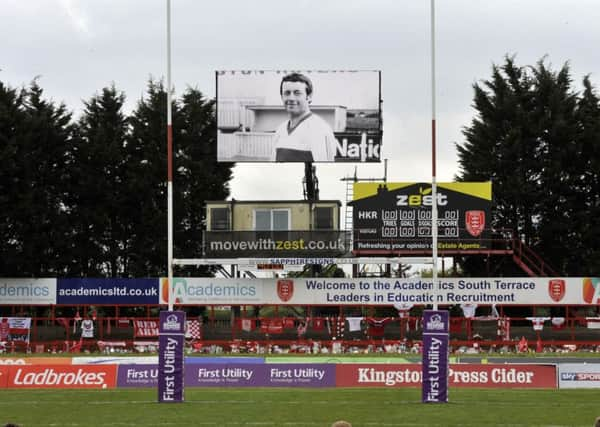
{"points": [[434, 210], [169, 164]]}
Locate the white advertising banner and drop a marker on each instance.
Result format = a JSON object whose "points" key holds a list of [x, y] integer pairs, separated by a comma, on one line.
{"points": [[27, 291], [386, 291], [579, 375]]}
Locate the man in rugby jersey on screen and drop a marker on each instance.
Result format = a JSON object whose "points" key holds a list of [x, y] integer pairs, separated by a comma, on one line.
{"points": [[304, 137]]}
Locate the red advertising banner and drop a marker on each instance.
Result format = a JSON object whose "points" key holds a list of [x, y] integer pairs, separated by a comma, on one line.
{"points": [[61, 376], [460, 375], [3, 376]]}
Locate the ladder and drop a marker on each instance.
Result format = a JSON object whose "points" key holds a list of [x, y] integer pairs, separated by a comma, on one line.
{"points": [[349, 209]]}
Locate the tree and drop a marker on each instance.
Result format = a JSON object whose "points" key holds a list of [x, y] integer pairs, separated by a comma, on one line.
{"points": [[587, 182], [12, 120], [558, 155], [89, 199], [531, 140], [145, 177], [36, 151], [197, 176], [100, 212]]}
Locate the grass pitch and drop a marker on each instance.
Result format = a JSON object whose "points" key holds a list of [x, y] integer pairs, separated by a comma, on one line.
{"points": [[270, 407]]}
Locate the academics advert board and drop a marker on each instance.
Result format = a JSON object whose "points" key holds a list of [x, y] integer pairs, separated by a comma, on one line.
{"points": [[27, 291], [107, 291]]}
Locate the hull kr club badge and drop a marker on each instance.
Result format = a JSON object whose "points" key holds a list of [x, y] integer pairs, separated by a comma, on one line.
{"points": [[285, 289], [475, 222]]}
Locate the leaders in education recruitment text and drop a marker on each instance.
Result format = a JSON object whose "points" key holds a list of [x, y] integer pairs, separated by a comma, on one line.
{"points": [[304, 137]]}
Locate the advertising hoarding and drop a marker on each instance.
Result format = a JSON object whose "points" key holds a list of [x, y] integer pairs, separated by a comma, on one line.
{"points": [[321, 116], [107, 291], [260, 375], [27, 291], [314, 243], [459, 375], [396, 217], [133, 375], [61, 376], [3, 376], [435, 356], [579, 375], [380, 291], [170, 356]]}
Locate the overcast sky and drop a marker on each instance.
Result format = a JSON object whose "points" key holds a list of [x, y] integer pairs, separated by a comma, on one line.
{"points": [[79, 47]]}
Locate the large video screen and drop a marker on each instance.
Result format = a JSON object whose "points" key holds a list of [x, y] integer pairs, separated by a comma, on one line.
{"points": [[299, 116]]}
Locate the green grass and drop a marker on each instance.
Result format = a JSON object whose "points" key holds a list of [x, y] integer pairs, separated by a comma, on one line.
{"points": [[274, 407]]}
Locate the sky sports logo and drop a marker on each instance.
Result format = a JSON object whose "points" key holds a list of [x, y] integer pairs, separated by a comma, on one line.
{"points": [[580, 376]]}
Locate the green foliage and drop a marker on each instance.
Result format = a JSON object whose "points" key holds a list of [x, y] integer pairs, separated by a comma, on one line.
{"points": [[89, 198], [537, 140], [35, 148], [99, 194], [197, 177]]}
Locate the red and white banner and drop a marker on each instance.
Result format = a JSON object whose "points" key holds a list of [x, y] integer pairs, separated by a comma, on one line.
{"points": [[193, 329], [271, 326], [460, 375], [145, 328], [61, 376], [15, 328]]}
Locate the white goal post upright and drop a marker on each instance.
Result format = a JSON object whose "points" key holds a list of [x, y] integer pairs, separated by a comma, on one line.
{"points": [[169, 163], [434, 210]]}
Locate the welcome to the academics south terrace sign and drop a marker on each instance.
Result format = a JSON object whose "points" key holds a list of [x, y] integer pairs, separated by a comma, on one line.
{"points": [[379, 291]]}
